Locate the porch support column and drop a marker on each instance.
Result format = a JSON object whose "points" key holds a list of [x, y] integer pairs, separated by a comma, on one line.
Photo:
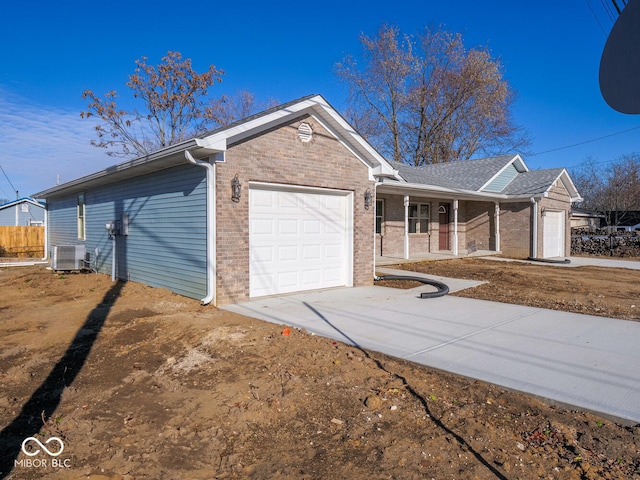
{"points": [[406, 227], [534, 233], [455, 227], [497, 225]]}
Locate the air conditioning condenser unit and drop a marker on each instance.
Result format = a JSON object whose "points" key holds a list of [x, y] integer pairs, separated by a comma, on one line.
{"points": [[68, 257]]}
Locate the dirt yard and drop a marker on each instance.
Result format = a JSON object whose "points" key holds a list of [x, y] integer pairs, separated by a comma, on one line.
{"points": [[139, 383]]}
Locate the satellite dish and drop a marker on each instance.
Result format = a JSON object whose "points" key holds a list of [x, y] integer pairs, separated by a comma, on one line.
{"points": [[620, 62]]}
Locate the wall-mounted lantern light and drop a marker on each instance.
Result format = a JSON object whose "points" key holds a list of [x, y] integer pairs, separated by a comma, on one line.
{"points": [[235, 189], [367, 199]]}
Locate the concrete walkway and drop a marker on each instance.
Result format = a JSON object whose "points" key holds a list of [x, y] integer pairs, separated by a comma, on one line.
{"points": [[589, 362]]}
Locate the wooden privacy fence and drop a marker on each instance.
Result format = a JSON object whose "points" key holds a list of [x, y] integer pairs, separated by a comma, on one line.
{"points": [[22, 241]]}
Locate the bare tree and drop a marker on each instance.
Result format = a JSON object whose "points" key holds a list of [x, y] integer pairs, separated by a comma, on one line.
{"points": [[429, 100], [612, 189], [176, 107]]}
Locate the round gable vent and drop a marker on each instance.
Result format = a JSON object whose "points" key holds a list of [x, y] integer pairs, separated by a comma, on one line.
{"points": [[305, 133]]}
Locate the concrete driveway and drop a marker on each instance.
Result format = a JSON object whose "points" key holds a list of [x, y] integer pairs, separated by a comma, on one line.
{"points": [[585, 361]]}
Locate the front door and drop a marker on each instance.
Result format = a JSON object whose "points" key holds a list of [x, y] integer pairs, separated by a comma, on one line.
{"points": [[443, 227]]}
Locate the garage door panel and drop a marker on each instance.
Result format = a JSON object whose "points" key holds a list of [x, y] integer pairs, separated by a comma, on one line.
{"points": [[312, 278], [298, 240], [262, 227], [264, 254], [288, 253], [262, 200], [333, 251], [311, 252], [288, 226], [311, 227]]}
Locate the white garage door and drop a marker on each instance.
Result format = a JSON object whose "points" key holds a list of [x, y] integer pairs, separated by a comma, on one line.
{"points": [[553, 225], [298, 240]]}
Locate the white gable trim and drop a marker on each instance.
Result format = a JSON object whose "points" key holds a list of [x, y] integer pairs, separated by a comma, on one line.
{"points": [[516, 161], [568, 185], [318, 108]]}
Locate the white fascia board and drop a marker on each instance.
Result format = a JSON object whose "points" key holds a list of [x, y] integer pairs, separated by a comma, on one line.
{"points": [[133, 167], [318, 108], [516, 159], [222, 139], [380, 165], [19, 201], [403, 188], [574, 195], [436, 191], [348, 145]]}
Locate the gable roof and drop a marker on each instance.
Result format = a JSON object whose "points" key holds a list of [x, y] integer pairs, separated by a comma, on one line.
{"points": [[21, 200], [468, 175], [500, 177], [217, 141]]}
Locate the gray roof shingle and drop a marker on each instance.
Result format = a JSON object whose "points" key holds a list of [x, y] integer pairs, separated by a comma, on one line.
{"points": [[474, 174], [532, 182], [467, 175]]}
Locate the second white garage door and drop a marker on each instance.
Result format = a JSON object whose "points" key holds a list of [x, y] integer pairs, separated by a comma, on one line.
{"points": [[299, 239], [553, 235]]}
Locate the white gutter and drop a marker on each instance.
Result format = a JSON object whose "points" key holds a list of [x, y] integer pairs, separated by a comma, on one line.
{"points": [[211, 226]]}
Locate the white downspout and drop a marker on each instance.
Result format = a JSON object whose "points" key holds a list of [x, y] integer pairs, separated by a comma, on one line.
{"points": [[211, 226], [113, 257], [46, 235], [375, 213], [534, 233], [497, 225], [455, 227], [406, 227]]}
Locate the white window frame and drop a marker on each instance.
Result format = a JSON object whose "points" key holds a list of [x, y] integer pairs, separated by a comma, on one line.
{"points": [[82, 217], [379, 215], [419, 221]]}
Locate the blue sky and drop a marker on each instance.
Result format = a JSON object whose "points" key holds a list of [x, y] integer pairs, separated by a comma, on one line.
{"points": [[285, 50]]}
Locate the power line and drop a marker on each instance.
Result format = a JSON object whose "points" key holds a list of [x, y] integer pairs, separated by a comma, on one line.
{"points": [[608, 11], [596, 17], [5, 176], [585, 142]]}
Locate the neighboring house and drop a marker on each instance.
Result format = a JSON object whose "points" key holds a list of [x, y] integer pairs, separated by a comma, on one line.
{"points": [[22, 212], [494, 204], [630, 222], [285, 201], [584, 219]]}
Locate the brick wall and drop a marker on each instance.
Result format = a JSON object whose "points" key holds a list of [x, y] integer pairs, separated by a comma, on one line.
{"points": [[515, 229], [479, 225], [279, 156]]}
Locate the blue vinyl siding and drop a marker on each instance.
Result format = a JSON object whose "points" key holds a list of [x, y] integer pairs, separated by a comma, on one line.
{"points": [[501, 181], [8, 215], [63, 221], [166, 245]]}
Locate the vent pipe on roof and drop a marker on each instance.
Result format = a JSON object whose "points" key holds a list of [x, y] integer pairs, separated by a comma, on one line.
{"points": [[211, 226]]}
